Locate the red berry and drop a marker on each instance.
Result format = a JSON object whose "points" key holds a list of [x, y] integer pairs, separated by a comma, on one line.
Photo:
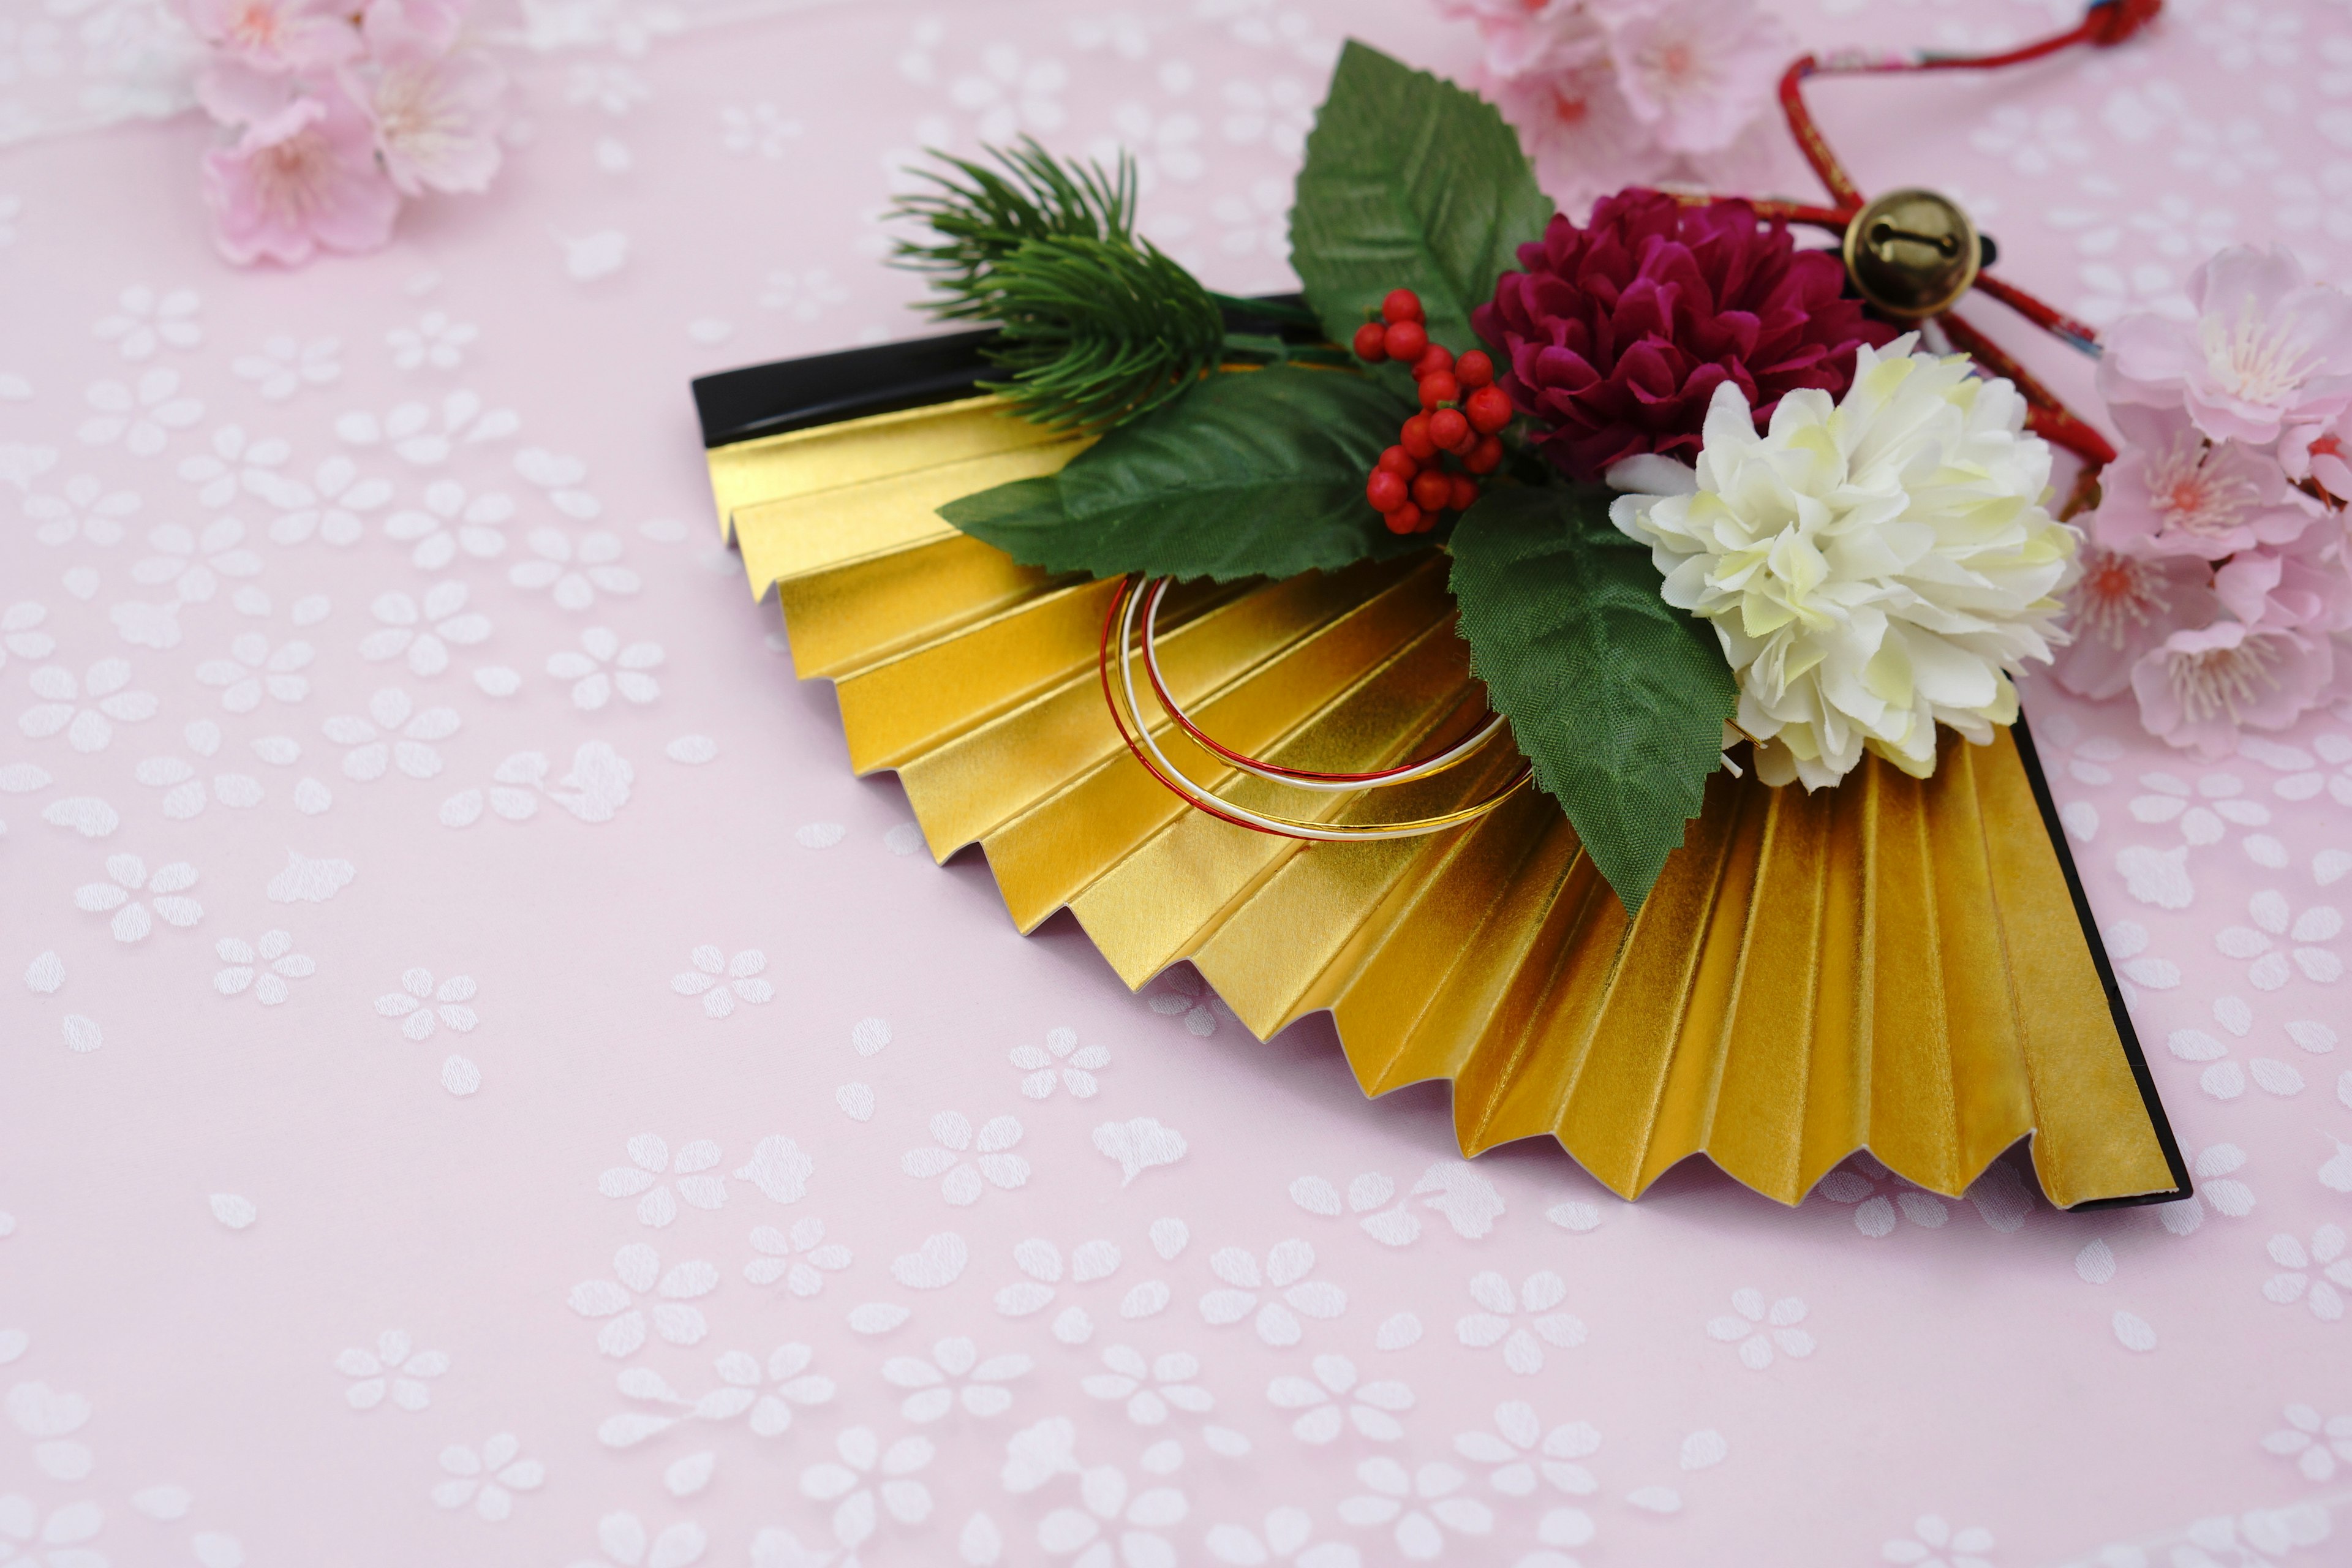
{"points": [[1433, 358], [1486, 456], [1406, 519], [1428, 521], [1490, 408], [1431, 489], [1467, 444], [1447, 427], [1400, 462], [1439, 388], [1371, 343], [1474, 369], [1414, 438], [1466, 490], [1405, 341], [1385, 491], [1401, 305]]}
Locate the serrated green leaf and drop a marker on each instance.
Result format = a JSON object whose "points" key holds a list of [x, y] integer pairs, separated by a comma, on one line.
{"points": [[1617, 698], [1252, 473], [1410, 182]]}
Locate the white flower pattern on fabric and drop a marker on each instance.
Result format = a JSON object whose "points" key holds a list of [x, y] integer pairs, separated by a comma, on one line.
{"points": [[625, 1543], [1185, 995], [262, 967], [453, 520], [396, 1368], [800, 1257], [576, 571], [967, 1164], [21, 633], [721, 980], [1498, 1323], [637, 1272], [253, 669], [562, 478], [86, 509], [1037, 1455], [1148, 1389], [1334, 1400], [1756, 1328], [145, 320], [2304, 933], [129, 875], [142, 417], [237, 465], [694, 1180], [421, 1004], [426, 436], [1423, 1504], [2319, 1274], [1525, 1456], [411, 746], [601, 667], [285, 365], [869, 1480], [422, 633], [1277, 1295], [330, 506], [193, 563], [86, 709], [1061, 1061], [1933, 1544], [1287, 1536], [955, 1375], [488, 1477], [432, 340], [2317, 1447]]}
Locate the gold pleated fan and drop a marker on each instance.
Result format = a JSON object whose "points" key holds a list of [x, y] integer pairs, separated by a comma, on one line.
{"points": [[1891, 965]]}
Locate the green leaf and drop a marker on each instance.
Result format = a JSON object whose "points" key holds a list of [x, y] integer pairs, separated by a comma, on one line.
{"points": [[1252, 473], [1410, 182], [1615, 696]]}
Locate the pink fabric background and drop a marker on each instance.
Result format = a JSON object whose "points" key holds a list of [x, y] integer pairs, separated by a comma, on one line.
{"points": [[1985, 1382]]}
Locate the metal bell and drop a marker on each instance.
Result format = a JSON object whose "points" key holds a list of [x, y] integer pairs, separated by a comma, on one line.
{"points": [[1912, 253]]}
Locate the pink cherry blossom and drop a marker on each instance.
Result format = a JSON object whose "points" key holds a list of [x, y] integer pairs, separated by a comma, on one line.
{"points": [[1579, 132], [2123, 606], [2303, 584], [298, 181], [436, 117], [2198, 688], [1695, 71], [1532, 38], [2268, 350], [277, 37], [2173, 493], [2321, 453], [395, 25]]}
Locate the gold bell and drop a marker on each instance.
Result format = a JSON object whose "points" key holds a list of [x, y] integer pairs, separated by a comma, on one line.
{"points": [[1912, 253]]}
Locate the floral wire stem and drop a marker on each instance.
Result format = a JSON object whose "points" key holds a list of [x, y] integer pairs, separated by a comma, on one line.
{"points": [[2105, 23]]}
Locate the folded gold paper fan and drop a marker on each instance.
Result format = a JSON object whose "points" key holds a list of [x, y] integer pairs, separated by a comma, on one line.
{"points": [[1899, 965]]}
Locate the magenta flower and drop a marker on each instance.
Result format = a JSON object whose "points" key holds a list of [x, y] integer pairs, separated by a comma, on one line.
{"points": [[1695, 71], [2122, 607], [275, 37], [436, 117], [2198, 688], [2174, 492], [2267, 351], [1617, 334], [300, 179]]}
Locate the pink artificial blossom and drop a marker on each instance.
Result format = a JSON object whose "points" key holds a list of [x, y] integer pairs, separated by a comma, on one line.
{"points": [[395, 26], [436, 119], [1532, 38], [2198, 688], [2268, 350], [2174, 492], [2123, 606], [2303, 584], [303, 179], [276, 36], [1695, 71], [1579, 132], [2321, 453]]}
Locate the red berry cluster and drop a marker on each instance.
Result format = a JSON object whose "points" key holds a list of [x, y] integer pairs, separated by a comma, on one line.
{"points": [[1462, 411]]}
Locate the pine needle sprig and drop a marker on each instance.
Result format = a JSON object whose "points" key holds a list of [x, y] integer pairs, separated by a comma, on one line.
{"points": [[1097, 325]]}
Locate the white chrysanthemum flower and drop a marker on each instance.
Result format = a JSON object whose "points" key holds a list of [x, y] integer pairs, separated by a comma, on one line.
{"points": [[1873, 567]]}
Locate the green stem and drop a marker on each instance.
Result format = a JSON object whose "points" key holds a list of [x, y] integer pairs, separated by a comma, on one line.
{"points": [[1264, 309]]}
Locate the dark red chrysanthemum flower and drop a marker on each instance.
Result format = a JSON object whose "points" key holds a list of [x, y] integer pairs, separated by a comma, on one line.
{"points": [[1617, 334]]}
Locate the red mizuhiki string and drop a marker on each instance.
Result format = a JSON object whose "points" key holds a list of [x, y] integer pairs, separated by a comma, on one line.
{"points": [[2106, 24]]}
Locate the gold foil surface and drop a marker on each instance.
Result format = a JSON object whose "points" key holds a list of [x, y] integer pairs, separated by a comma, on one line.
{"points": [[1893, 964]]}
